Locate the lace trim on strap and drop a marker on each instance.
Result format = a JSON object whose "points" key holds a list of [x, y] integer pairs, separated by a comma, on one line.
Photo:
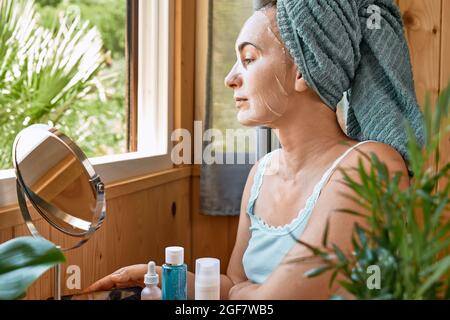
{"points": [[305, 212], [257, 182]]}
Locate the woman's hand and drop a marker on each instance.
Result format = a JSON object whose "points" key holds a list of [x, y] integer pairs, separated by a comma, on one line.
{"points": [[131, 276]]}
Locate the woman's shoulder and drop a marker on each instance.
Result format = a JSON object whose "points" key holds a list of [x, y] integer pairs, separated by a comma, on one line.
{"points": [[384, 152]]}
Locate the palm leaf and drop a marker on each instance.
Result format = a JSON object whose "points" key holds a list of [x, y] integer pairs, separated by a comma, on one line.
{"points": [[42, 71]]}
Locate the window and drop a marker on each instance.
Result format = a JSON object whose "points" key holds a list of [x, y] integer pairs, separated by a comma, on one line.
{"points": [[118, 107], [225, 23], [234, 146], [68, 70]]}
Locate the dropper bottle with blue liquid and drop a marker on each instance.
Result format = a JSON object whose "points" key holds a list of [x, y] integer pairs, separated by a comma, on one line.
{"points": [[174, 275]]}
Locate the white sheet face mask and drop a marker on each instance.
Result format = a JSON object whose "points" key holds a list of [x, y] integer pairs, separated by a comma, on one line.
{"points": [[263, 78]]}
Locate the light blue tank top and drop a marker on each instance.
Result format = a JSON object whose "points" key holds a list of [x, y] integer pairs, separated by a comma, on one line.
{"points": [[268, 245]]}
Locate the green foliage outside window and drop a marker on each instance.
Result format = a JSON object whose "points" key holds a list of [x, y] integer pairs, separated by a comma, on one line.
{"points": [[55, 68]]}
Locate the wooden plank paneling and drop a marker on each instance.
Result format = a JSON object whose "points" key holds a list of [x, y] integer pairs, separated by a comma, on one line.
{"points": [[444, 81], [10, 216], [210, 235], [6, 234], [146, 182], [232, 233], [445, 46], [422, 21], [136, 230]]}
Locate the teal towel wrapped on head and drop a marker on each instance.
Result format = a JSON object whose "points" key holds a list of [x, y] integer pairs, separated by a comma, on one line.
{"points": [[358, 47]]}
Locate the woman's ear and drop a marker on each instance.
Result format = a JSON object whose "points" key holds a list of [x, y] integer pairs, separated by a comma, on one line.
{"points": [[300, 83]]}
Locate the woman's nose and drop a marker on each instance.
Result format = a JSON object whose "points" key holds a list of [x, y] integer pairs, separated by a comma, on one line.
{"points": [[233, 80]]}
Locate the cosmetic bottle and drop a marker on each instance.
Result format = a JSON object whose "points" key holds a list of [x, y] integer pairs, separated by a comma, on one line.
{"points": [[207, 279], [151, 290], [174, 275]]}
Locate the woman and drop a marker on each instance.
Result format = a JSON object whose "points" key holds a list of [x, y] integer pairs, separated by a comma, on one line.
{"points": [[292, 82]]}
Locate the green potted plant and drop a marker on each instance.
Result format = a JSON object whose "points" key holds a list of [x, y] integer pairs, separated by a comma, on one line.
{"points": [[22, 261], [406, 236]]}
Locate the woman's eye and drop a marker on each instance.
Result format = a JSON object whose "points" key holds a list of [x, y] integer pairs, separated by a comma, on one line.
{"points": [[246, 62]]}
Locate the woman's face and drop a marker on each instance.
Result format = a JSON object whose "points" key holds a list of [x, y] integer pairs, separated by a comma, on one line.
{"points": [[263, 77]]}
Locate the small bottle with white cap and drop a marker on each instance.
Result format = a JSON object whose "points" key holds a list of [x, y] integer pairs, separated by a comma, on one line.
{"points": [[174, 275], [151, 279], [207, 279]]}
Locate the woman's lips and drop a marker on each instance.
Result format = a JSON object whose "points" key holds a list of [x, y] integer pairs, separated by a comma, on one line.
{"points": [[240, 102]]}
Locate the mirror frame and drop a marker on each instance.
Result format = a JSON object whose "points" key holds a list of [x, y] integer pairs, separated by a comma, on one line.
{"points": [[24, 192]]}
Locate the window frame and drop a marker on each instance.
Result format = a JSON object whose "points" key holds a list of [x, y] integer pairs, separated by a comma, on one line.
{"points": [[149, 128]]}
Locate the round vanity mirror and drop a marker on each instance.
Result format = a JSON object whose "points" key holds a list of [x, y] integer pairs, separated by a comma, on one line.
{"points": [[60, 183], [62, 186]]}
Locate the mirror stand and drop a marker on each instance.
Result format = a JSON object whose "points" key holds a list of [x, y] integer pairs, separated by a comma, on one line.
{"points": [[35, 233], [57, 281]]}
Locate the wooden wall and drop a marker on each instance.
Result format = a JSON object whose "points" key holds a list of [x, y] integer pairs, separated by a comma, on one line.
{"points": [[211, 236], [445, 73], [141, 221], [428, 33]]}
